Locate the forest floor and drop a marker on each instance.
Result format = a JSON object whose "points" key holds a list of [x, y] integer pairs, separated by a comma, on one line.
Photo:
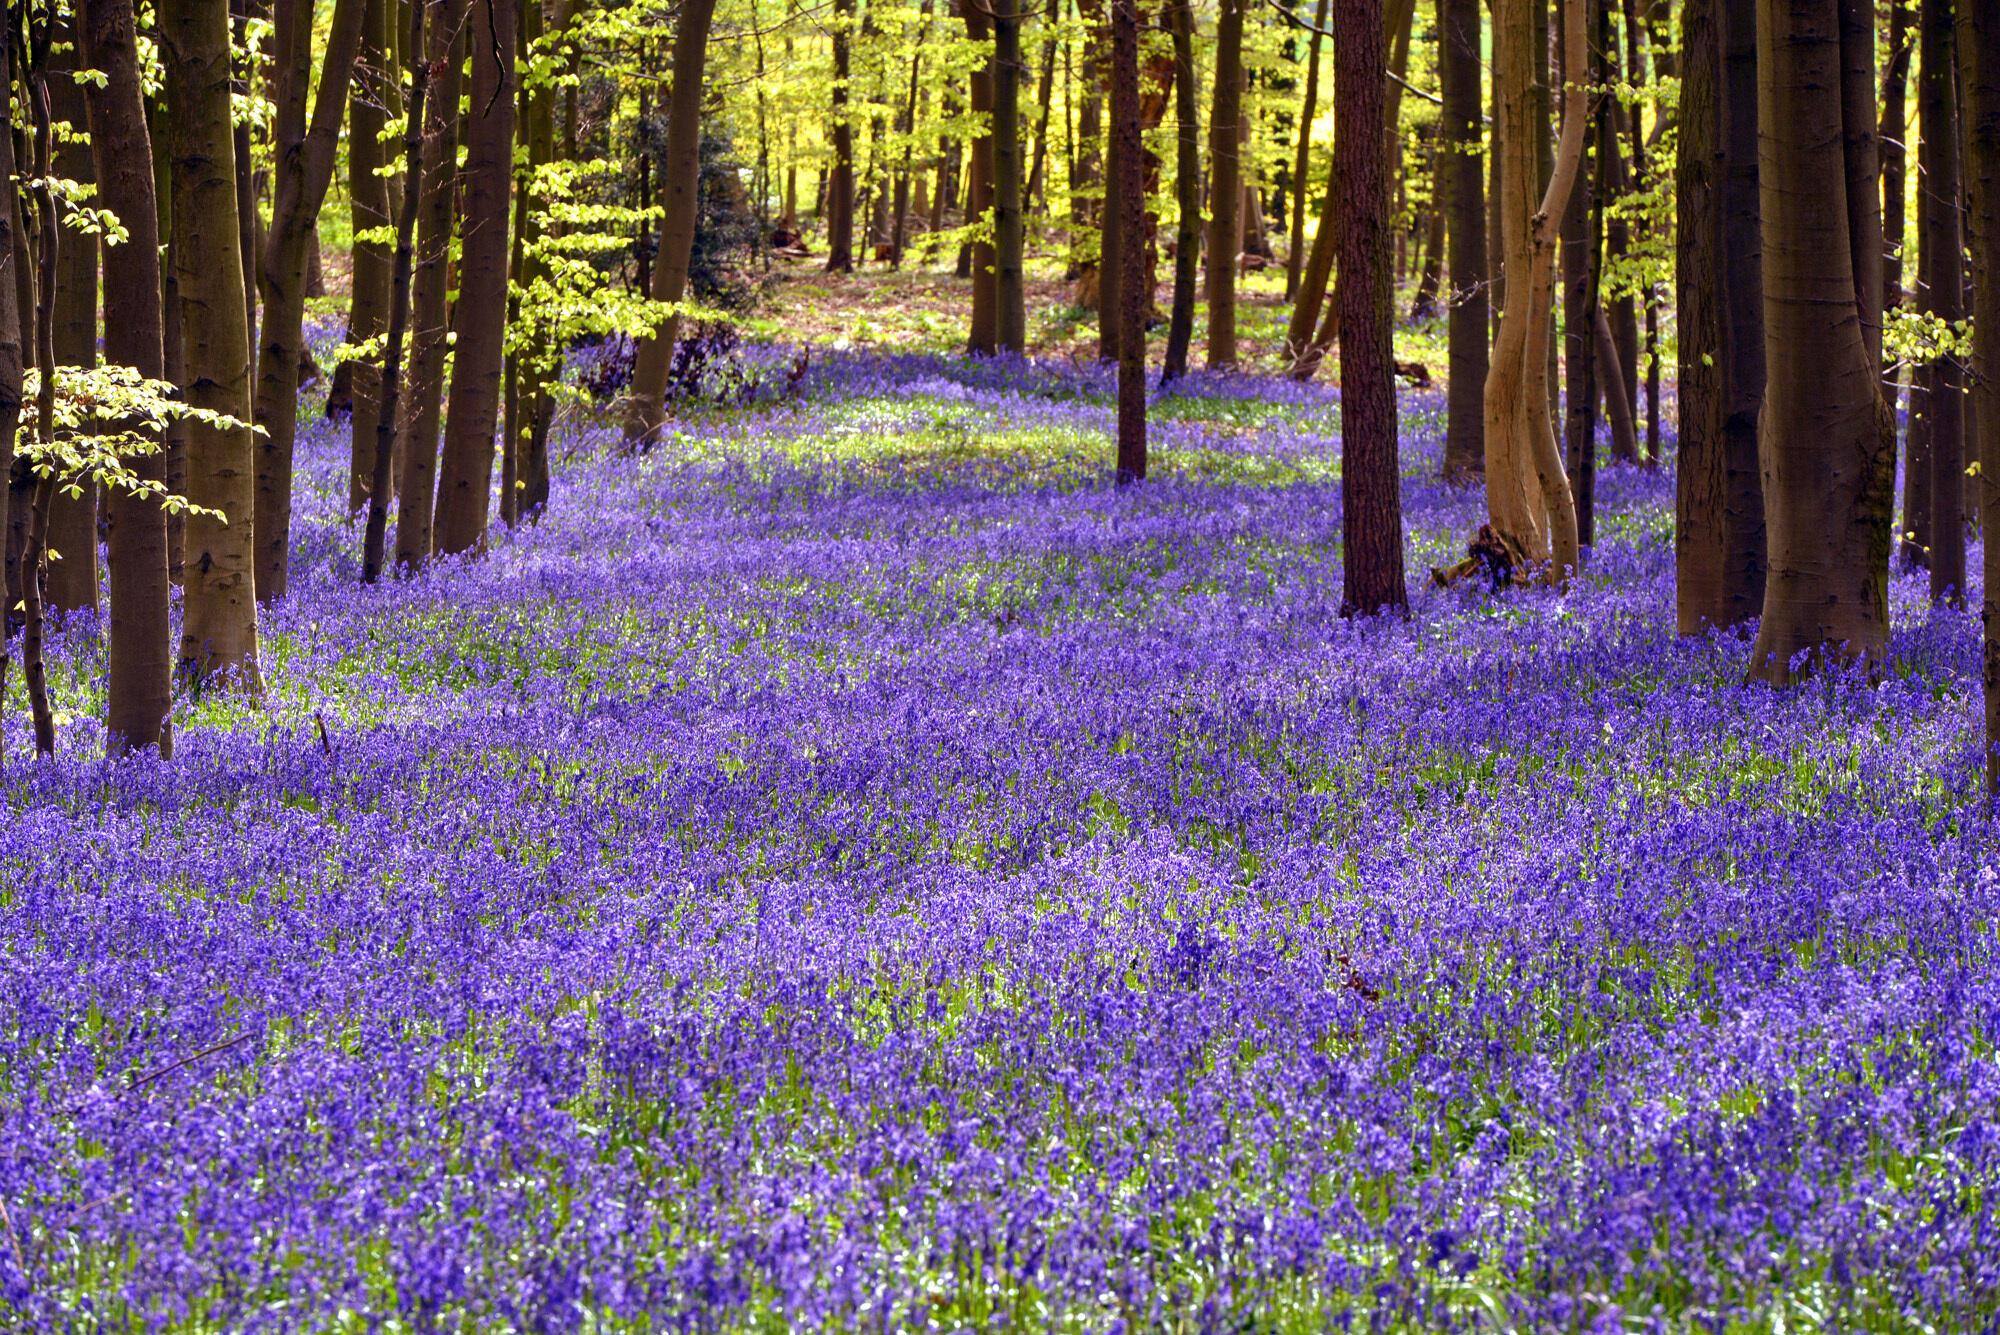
{"points": [[853, 868]]}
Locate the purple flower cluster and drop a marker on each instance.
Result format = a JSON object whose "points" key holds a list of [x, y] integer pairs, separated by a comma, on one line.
{"points": [[851, 868]]}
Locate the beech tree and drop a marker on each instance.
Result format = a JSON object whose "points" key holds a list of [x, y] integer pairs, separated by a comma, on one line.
{"points": [[219, 628], [1941, 284], [1828, 441], [1370, 476], [1464, 208], [1125, 213], [1225, 185], [1979, 64], [72, 576], [465, 473]]}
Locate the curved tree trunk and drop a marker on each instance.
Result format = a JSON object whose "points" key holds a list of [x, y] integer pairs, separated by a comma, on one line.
{"points": [[304, 158], [1828, 440], [1370, 476], [465, 477], [1295, 238], [219, 625], [140, 677], [646, 409]]}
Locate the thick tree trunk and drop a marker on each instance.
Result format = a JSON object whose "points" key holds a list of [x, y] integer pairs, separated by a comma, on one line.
{"points": [[1370, 476], [1719, 510], [840, 184], [1010, 313], [465, 476], [646, 410], [1943, 295], [140, 676], [422, 398], [1187, 188], [1464, 204], [1225, 185], [72, 575], [1125, 212], [304, 158], [1979, 63], [1828, 441], [1530, 508], [1295, 236], [219, 625], [369, 100]]}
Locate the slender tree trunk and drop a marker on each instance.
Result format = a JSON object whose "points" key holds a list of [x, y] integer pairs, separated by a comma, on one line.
{"points": [[304, 159], [219, 627], [984, 337], [1010, 316], [1045, 99], [646, 409], [1295, 249], [13, 351], [840, 185], [173, 438], [49, 253], [1125, 212], [140, 676], [422, 398], [368, 110], [1370, 476], [381, 466], [1579, 304], [240, 14], [1828, 441], [72, 577], [465, 475], [1086, 183], [1225, 185], [1187, 188], [1943, 283], [1463, 182], [1894, 152], [1862, 162], [1979, 63]]}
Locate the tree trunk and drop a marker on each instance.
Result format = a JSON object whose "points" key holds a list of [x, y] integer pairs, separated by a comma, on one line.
{"points": [[219, 625], [1979, 64], [72, 576], [1719, 509], [1225, 185], [422, 397], [1045, 99], [1370, 476], [1943, 282], [1828, 442], [840, 184], [1531, 510], [646, 410], [12, 270], [375, 540], [140, 676], [1464, 204], [368, 110], [1579, 304], [303, 157], [1295, 239], [465, 476], [984, 336], [1187, 189], [1010, 314], [1125, 212]]}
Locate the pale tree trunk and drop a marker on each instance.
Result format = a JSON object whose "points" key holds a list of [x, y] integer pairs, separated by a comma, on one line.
{"points": [[465, 477], [1125, 210], [304, 158], [1979, 63], [1225, 185], [422, 398], [1530, 509], [1828, 441], [219, 625], [141, 674], [1370, 476], [646, 410]]}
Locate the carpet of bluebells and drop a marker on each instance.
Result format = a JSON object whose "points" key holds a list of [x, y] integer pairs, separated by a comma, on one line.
{"points": [[853, 869]]}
